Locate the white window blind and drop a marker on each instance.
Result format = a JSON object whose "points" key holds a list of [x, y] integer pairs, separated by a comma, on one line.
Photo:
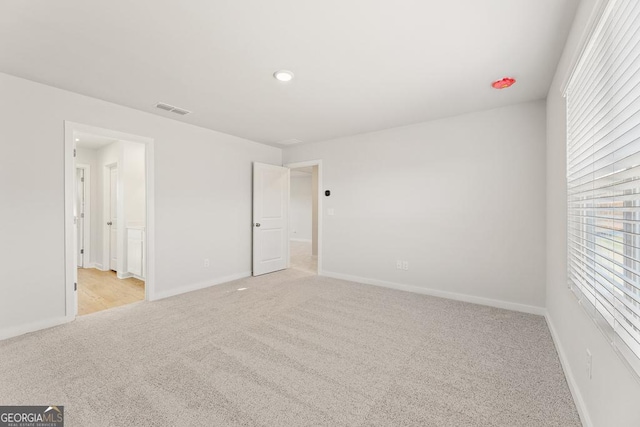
{"points": [[603, 177]]}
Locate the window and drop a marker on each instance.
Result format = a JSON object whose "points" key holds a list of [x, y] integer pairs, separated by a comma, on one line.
{"points": [[603, 177]]}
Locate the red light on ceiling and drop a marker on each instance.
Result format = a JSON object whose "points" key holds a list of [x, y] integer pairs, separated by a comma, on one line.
{"points": [[503, 83]]}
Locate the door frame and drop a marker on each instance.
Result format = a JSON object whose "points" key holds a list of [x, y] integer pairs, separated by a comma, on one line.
{"points": [[86, 224], [106, 211], [305, 164], [71, 271]]}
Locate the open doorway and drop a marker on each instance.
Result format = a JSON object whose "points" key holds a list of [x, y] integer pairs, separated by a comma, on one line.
{"points": [[304, 217], [110, 220], [280, 242]]}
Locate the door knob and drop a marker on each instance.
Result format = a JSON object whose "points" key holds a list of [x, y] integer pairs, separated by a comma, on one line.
{"points": [[257, 224], [109, 223]]}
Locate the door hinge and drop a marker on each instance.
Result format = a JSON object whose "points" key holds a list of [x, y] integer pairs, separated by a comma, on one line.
{"points": [[81, 179], [75, 286], [74, 152], [82, 215], [81, 251]]}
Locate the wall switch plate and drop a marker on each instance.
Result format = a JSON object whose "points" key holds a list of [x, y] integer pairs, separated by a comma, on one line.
{"points": [[589, 364], [207, 263], [399, 265], [405, 265]]}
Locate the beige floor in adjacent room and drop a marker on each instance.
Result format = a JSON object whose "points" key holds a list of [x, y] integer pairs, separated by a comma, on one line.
{"points": [[100, 290], [293, 349], [302, 258]]}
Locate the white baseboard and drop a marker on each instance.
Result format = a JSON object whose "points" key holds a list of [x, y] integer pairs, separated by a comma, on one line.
{"points": [[6, 333], [198, 286], [124, 276], [568, 373], [300, 240], [532, 309]]}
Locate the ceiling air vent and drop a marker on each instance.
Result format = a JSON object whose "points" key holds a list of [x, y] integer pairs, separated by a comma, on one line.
{"points": [[180, 111], [172, 108], [162, 106]]}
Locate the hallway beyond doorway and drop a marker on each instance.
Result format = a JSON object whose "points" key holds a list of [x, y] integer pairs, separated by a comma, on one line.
{"points": [[301, 257]]}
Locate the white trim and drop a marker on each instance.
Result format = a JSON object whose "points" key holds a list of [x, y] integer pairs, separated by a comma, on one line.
{"points": [[124, 276], [568, 373], [300, 240], [70, 261], [121, 252], [317, 163], [106, 211], [15, 331], [150, 226], [589, 30], [201, 285], [69, 171], [507, 305]]}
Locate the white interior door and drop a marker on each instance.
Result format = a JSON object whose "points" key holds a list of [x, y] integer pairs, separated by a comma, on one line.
{"points": [[79, 215], [270, 218], [113, 219]]}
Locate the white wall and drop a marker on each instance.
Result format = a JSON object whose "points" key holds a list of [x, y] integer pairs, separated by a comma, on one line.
{"points": [[134, 184], [300, 211], [461, 199], [612, 396], [202, 198]]}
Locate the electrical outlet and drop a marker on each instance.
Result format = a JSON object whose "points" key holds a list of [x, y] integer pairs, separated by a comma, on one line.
{"points": [[207, 263], [399, 265], [405, 265], [589, 364]]}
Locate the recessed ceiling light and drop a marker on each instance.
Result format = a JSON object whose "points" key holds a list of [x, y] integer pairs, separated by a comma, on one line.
{"points": [[503, 83], [283, 75]]}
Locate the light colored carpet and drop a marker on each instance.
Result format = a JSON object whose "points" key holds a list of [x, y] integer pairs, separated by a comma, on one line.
{"points": [[293, 350]]}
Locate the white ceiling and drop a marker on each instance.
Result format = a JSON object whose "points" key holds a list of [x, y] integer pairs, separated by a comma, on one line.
{"points": [[360, 65], [93, 142], [304, 172]]}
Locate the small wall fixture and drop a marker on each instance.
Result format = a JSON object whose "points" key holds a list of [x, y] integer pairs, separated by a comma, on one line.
{"points": [[283, 75], [503, 83]]}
